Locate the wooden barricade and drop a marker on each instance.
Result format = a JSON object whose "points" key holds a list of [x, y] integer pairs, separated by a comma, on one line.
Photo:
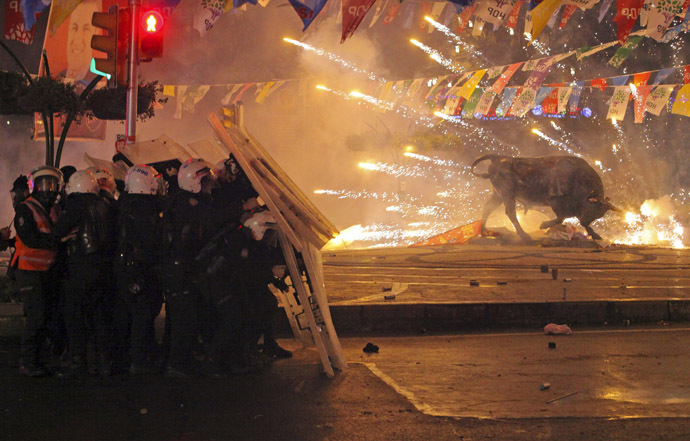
{"points": [[303, 231]]}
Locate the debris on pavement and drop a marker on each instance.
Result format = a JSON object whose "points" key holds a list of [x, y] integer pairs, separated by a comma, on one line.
{"points": [[544, 386], [389, 297], [544, 268], [371, 348], [501, 282], [552, 345], [567, 280], [554, 273], [474, 283], [554, 329], [560, 398], [387, 288]]}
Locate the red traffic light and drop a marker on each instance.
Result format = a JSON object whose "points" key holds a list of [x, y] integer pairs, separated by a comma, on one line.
{"points": [[152, 22]]}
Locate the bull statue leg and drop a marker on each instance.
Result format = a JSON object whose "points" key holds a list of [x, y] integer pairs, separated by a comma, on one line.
{"points": [[593, 234], [491, 205], [510, 212]]}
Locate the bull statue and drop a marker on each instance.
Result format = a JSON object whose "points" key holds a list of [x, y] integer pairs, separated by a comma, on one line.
{"points": [[567, 184]]}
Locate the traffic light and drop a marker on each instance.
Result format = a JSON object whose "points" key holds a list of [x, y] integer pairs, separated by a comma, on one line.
{"points": [[115, 23], [151, 35], [232, 115]]}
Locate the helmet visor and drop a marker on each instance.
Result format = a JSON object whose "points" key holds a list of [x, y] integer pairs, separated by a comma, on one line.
{"points": [[46, 184]]}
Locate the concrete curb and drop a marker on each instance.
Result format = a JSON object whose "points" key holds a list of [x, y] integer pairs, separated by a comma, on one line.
{"points": [[453, 317]]}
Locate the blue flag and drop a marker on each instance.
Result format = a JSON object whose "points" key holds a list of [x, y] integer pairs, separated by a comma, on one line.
{"points": [[462, 3], [662, 74], [308, 11], [575, 96], [542, 93], [238, 3], [29, 10], [619, 80]]}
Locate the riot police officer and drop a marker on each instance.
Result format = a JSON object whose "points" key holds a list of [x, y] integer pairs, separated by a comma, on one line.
{"points": [[34, 259], [89, 297], [136, 256]]}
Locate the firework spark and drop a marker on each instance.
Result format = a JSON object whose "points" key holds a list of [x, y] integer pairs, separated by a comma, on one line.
{"points": [[436, 56]]}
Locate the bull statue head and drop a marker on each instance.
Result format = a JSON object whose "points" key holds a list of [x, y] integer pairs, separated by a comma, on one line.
{"points": [[604, 204]]}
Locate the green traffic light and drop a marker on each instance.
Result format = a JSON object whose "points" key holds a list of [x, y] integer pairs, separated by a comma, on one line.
{"points": [[97, 72]]}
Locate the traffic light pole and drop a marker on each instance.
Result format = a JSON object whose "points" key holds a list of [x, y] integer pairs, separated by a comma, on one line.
{"points": [[132, 72]]}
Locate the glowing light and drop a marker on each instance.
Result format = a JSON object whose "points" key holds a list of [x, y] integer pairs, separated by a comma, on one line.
{"points": [[553, 142], [436, 56], [319, 86], [334, 58], [445, 30]]}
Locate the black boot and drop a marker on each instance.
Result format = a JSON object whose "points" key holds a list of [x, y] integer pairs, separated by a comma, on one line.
{"points": [[272, 349]]}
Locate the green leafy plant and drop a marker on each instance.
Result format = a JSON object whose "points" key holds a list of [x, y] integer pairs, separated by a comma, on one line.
{"points": [[50, 95], [12, 86], [111, 104]]}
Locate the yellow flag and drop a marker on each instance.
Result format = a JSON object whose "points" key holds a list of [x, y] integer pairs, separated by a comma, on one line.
{"points": [[541, 15], [682, 103], [61, 9], [467, 89], [264, 92], [169, 90]]}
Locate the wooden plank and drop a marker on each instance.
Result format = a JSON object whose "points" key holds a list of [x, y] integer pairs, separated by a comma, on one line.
{"points": [[256, 181], [208, 149], [295, 222], [312, 260], [296, 276], [292, 310]]}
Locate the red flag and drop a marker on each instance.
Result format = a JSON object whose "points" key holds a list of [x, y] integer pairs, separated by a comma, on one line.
{"points": [[686, 74], [641, 95], [354, 12], [550, 103], [640, 79], [14, 24], [568, 12], [515, 14], [627, 12], [599, 83], [393, 8], [465, 16]]}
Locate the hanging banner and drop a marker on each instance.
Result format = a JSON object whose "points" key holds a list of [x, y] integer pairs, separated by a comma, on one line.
{"points": [[393, 9], [641, 79], [568, 12], [591, 51], [493, 72], [531, 64], [208, 12], [681, 105], [494, 11], [425, 10], [232, 88], [574, 101], [552, 21], [541, 95], [550, 104], [414, 88], [604, 8], [662, 75], [627, 13], [59, 12], [619, 103], [619, 80], [307, 10], [541, 14], [354, 12], [386, 90], [507, 101], [657, 100], [471, 104], [467, 89], [660, 17], [267, 90], [451, 103], [686, 74], [676, 30], [379, 10], [169, 90], [30, 9], [599, 83], [409, 9], [464, 17], [14, 24], [485, 102], [624, 51], [514, 14], [563, 97], [525, 101], [641, 94]]}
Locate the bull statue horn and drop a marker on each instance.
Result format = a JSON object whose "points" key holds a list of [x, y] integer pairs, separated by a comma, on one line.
{"points": [[610, 206]]}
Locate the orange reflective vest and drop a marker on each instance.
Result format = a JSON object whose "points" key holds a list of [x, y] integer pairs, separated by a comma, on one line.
{"points": [[35, 259]]}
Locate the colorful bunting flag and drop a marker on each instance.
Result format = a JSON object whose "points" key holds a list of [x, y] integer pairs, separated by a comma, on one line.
{"points": [[599, 83], [541, 95], [587, 51], [266, 90], [425, 10], [31, 9], [464, 17], [568, 12], [468, 88], [378, 12], [549, 105], [681, 105], [582, 4], [393, 9], [307, 10], [386, 91], [354, 12], [494, 11], [169, 90], [506, 102], [451, 103], [676, 30], [552, 21], [619, 80], [541, 14], [515, 14], [641, 79], [641, 94], [471, 103], [207, 13], [563, 97], [493, 72], [660, 16], [574, 101], [485, 102], [624, 51], [656, 101], [409, 9], [232, 88], [14, 24], [619, 103], [663, 74], [627, 12], [686, 74], [604, 8]]}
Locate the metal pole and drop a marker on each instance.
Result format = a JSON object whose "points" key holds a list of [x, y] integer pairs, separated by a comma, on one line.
{"points": [[132, 68]]}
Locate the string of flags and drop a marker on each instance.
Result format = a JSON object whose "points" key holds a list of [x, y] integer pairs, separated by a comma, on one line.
{"points": [[655, 17]]}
